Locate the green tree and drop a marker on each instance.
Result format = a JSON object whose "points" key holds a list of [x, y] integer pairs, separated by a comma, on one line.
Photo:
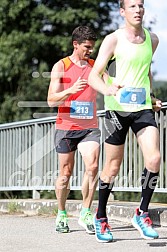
{"points": [[161, 92], [34, 34]]}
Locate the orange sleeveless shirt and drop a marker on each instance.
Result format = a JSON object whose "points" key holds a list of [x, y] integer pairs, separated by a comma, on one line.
{"points": [[78, 111]]}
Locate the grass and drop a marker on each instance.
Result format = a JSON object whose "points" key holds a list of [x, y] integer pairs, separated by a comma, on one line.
{"points": [[48, 211], [13, 207]]}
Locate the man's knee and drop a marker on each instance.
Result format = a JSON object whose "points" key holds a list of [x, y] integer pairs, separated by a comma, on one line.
{"points": [[153, 164]]}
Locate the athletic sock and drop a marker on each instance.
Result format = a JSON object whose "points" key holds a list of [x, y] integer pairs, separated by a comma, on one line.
{"points": [[84, 210], [62, 212], [104, 192], [148, 181]]}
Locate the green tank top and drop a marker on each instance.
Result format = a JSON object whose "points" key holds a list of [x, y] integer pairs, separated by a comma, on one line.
{"points": [[132, 68]]}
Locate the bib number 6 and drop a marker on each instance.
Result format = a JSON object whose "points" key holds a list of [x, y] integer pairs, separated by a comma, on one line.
{"points": [[133, 97]]}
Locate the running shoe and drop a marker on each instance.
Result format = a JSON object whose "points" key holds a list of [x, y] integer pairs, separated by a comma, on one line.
{"points": [[62, 223], [143, 224], [86, 221], [102, 230]]}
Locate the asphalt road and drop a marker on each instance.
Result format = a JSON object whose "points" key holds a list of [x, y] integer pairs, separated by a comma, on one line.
{"points": [[36, 233]]}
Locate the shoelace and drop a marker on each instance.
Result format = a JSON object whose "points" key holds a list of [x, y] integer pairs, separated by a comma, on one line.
{"points": [[148, 221], [88, 218], [104, 226], [63, 218]]}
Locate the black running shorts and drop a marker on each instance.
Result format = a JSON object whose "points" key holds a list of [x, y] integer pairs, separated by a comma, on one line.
{"points": [[117, 124]]}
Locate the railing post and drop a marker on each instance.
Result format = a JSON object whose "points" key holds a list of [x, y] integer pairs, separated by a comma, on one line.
{"points": [[37, 161]]}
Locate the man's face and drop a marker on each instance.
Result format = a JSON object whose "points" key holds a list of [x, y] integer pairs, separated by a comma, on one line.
{"points": [[133, 11], [85, 49]]}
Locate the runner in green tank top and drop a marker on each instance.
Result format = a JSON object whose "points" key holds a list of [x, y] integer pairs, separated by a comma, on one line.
{"points": [[133, 47]]}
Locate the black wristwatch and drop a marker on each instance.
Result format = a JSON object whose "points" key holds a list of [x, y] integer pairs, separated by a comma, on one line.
{"points": [[152, 94]]}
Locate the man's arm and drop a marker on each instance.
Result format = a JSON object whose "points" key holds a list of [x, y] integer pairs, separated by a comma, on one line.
{"points": [[155, 42], [56, 93], [106, 52], [156, 103]]}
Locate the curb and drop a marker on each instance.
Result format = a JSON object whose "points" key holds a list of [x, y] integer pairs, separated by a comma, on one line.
{"points": [[122, 211]]}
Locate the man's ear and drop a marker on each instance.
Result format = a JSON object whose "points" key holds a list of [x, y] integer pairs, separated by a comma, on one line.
{"points": [[122, 12], [75, 43]]}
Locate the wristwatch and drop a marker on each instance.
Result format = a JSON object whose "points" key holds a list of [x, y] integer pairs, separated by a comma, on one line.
{"points": [[152, 94]]}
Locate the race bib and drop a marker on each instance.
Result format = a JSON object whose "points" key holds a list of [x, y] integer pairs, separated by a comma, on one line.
{"points": [[81, 110], [133, 96]]}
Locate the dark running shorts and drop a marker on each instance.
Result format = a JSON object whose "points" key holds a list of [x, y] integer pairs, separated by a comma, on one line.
{"points": [[68, 140], [117, 124]]}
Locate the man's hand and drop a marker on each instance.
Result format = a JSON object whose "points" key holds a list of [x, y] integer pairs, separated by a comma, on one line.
{"points": [[79, 85], [112, 90], [156, 104]]}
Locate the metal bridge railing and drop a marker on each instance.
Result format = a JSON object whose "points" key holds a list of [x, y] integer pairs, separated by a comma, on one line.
{"points": [[28, 160]]}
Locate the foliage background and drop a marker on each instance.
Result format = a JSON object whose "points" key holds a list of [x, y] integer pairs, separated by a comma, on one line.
{"points": [[34, 34]]}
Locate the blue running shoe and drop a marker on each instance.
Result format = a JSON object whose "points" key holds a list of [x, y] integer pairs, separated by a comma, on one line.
{"points": [[144, 225], [102, 230]]}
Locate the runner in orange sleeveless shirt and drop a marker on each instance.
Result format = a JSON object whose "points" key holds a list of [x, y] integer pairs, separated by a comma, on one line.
{"points": [[76, 125]]}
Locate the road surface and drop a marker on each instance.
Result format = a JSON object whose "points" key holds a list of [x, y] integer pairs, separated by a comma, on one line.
{"points": [[20, 233]]}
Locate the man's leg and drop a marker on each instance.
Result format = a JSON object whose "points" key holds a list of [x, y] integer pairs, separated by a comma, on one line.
{"points": [[114, 155], [90, 153], [66, 163], [148, 139]]}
